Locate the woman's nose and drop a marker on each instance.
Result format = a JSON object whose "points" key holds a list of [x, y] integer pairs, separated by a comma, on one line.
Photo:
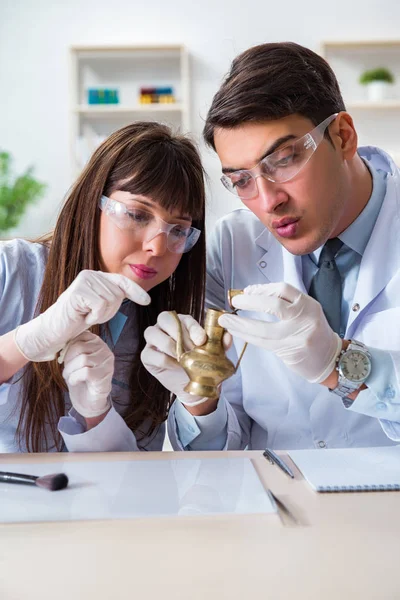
{"points": [[158, 244]]}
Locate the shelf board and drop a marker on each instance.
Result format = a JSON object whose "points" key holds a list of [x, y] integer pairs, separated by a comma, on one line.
{"points": [[353, 44], [114, 109], [127, 52], [127, 48], [384, 104]]}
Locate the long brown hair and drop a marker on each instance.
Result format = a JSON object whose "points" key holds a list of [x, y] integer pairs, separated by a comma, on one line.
{"points": [[273, 81], [150, 160]]}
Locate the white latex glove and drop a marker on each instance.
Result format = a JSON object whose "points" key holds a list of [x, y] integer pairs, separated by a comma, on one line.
{"points": [[88, 371], [93, 297], [302, 338], [159, 354]]}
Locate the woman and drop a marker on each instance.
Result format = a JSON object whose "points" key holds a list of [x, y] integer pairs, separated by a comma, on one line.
{"points": [[123, 250]]}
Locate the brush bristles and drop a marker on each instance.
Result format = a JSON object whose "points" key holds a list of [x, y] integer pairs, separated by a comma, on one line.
{"points": [[55, 482]]}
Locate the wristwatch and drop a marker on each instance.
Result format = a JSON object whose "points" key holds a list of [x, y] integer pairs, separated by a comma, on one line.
{"points": [[354, 367]]}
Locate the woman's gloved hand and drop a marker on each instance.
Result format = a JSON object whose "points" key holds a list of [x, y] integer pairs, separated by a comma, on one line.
{"points": [[88, 372], [93, 297], [159, 354]]}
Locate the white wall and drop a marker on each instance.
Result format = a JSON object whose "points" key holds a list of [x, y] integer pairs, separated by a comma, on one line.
{"points": [[35, 36]]}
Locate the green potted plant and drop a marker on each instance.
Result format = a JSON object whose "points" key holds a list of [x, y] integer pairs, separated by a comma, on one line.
{"points": [[377, 82], [16, 193]]}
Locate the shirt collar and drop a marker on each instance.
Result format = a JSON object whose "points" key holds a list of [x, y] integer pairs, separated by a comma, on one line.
{"points": [[117, 323]]}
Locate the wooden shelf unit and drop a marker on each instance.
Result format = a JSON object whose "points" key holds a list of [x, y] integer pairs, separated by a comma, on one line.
{"points": [[126, 68], [377, 123]]}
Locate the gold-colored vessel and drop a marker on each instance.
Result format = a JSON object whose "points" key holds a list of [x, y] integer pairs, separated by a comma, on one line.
{"points": [[231, 294], [207, 366]]}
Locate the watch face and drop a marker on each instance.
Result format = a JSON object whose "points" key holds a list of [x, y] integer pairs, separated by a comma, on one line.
{"points": [[355, 366]]}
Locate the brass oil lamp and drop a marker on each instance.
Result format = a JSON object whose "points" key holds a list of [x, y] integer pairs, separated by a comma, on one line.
{"points": [[207, 366]]}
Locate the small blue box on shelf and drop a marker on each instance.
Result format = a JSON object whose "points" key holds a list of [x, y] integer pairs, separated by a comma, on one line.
{"points": [[103, 96]]}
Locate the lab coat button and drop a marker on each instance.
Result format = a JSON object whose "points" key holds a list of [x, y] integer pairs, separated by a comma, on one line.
{"points": [[355, 307], [390, 393], [381, 406], [262, 264], [322, 444]]}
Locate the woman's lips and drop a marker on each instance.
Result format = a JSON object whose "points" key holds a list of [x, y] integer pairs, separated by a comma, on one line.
{"points": [[286, 228], [143, 272]]}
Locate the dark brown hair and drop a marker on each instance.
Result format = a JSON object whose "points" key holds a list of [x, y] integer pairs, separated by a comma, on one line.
{"points": [[149, 160], [272, 81]]}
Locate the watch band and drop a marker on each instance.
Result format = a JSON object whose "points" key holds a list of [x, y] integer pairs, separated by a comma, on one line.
{"points": [[346, 386]]}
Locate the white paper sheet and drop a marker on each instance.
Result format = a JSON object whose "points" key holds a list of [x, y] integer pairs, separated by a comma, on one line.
{"points": [[129, 489], [350, 469]]}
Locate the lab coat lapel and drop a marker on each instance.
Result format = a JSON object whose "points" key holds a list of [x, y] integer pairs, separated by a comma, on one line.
{"points": [[381, 259], [277, 264]]}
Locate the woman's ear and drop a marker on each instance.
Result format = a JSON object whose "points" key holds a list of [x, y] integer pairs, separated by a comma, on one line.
{"points": [[345, 135]]}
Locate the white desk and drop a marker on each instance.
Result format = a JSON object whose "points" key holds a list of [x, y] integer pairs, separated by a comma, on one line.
{"points": [[346, 546]]}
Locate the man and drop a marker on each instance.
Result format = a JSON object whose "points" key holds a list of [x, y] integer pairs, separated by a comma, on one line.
{"points": [[318, 252]]}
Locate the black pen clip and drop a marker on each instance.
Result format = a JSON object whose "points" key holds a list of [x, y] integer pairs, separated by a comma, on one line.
{"points": [[268, 457]]}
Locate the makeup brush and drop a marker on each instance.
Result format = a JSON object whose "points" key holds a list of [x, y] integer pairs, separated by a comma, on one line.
{"points": [[57, 481]]}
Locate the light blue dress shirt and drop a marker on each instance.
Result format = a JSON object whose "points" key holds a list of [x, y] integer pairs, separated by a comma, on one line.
{"points": [[211, 430]]}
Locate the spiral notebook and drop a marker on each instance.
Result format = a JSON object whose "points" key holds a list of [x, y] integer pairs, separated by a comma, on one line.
{"points": [[350, 469]]}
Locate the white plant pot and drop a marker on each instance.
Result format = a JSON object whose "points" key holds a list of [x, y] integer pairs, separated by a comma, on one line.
{"points": [[378, 91]]}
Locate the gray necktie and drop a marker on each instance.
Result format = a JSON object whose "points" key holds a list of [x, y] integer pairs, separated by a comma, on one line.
{"points": [[326, 285]]}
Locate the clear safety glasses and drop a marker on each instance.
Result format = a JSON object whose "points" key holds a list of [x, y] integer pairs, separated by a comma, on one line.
{"points": [[147, 226], [278, 167]]}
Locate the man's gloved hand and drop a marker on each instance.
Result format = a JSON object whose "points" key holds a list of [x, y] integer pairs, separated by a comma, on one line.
{"points": [[159, 354], [88, 371], [302, 338], [93, 297]]}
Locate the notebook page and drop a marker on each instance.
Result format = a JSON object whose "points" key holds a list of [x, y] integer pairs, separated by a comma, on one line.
{"points": [[343, 469]]}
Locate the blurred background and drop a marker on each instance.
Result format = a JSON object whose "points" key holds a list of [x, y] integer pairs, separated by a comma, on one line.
{"points": [[70, 73]]}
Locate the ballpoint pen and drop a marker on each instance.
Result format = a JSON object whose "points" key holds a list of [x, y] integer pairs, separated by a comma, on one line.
{"points": [[275, 459]]}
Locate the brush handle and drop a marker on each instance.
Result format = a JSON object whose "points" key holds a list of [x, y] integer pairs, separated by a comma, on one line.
{"points": [[17, 478]]}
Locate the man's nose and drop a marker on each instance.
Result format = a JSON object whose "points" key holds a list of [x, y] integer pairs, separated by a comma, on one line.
{"points": [[269, 195]]}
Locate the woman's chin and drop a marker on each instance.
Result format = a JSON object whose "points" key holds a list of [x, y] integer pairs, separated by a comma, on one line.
{"points": [[145, 284]]}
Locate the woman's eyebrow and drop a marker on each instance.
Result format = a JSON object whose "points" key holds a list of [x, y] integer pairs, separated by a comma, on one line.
{"points": [[151, 205]]}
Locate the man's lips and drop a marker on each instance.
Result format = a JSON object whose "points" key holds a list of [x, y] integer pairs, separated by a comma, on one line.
{"points": [[143, 271], [283, 222], [286, 228]]}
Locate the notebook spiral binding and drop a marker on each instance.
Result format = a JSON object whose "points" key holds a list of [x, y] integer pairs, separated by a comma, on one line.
{"points": [[361, 488]]}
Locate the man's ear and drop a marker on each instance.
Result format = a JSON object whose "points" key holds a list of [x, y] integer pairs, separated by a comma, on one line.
{"points": [[344, 135]]}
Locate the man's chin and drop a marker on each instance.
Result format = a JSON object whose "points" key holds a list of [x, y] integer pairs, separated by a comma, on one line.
{"points": [[299, 247]]}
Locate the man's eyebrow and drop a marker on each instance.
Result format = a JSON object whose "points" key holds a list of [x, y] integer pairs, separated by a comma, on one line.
{"points": [[271, 149]]}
